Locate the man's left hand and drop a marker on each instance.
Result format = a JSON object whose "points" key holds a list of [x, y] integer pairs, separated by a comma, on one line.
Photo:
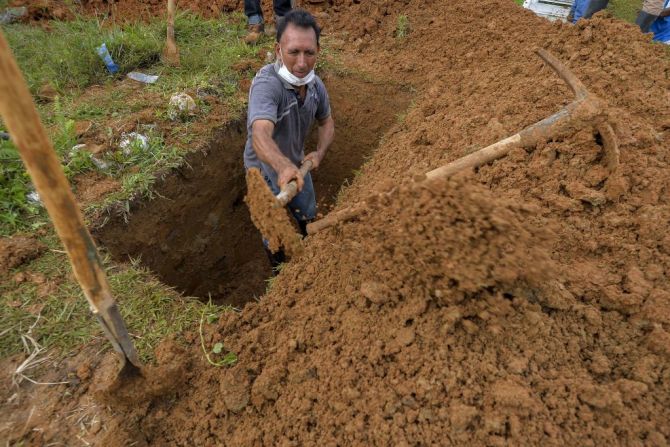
{"points": [[314, 157]]}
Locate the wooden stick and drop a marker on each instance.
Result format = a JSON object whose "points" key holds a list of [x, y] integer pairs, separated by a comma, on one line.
{"points": [[171, 51], [18, 111], [586, 109]]}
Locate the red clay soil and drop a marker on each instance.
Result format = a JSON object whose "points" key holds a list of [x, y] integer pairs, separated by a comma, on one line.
{"points": [[18, 250], [273, 222], [526, 303]]}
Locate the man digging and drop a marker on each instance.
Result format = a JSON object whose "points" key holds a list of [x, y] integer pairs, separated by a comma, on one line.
{"points": [[284, 101]]}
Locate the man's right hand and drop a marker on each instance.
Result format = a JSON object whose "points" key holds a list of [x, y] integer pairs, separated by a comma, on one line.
{"points": [[288, 173]]}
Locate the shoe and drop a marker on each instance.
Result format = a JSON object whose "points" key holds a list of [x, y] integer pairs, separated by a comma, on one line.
{"points": [[254, 33]]}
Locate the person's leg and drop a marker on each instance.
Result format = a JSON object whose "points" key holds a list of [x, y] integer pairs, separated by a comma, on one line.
{"points": [[303, 206], [648, 15], [595, 6], [281, 7], [644, 20], [253, 11]]}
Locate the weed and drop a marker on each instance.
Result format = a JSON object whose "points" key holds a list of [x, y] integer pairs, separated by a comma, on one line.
{"points": [[16, 210], [226, 358], [402, 27]]}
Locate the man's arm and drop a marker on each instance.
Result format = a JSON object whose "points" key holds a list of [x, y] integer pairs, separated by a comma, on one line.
{"points": [[326, 134], [267, 150]]}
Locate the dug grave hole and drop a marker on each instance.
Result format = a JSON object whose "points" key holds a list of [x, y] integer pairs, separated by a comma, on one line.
{"points": [[197, 235]]}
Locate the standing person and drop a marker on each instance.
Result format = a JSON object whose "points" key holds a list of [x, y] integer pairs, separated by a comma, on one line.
{"points": [[651, 10], [584, 9], [661, 26], [254, 13], [285, 99], [577, 10], [595, 6]]}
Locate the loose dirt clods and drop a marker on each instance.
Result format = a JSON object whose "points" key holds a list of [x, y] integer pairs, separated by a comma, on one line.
{"points": [[526, 303], [273, 222]]}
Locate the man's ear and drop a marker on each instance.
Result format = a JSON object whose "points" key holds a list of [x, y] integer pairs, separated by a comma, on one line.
{"points": [[277, 51]]}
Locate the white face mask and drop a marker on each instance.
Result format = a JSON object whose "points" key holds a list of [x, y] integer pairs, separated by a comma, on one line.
{"points": [[289, 77]]}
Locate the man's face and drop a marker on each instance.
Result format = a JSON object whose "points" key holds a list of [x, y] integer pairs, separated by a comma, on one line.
{"points": [[298, 50]]}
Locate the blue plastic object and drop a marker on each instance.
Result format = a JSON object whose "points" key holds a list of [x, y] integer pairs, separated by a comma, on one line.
{"points": [[107, 58]]}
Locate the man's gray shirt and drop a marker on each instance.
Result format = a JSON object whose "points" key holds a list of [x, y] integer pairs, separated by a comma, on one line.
{"points": [[271, 98]]}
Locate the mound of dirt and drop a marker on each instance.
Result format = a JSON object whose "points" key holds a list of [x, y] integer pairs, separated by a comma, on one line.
{"points": [[452, 313], [526, 303], [368, 331]]}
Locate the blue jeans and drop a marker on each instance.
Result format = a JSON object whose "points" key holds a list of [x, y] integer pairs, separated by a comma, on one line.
{"points": [[303, 205]]}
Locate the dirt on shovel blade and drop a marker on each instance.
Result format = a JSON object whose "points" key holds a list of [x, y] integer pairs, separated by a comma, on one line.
{"points": [[273, 221]]}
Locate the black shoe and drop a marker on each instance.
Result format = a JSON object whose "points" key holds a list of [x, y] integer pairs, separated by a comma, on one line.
{"points": [[276, 260]]}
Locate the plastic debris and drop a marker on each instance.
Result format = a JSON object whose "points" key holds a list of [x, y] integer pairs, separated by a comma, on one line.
{"points": [[141, 77], [181, 106], [128, 140], [103, 52], [76, 148], [10, 15], [34, 197], [100, 164]]}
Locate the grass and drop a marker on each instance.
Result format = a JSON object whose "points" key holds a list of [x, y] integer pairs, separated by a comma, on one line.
{"points": [[52, 304], [402, 27], [66, 59], [625, 9], [47, 302]]}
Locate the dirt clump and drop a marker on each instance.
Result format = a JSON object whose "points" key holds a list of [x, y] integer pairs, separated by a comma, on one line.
{"points": [[273, 221], [17, 250]]}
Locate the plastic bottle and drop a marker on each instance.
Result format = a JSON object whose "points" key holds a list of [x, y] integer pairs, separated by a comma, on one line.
{"points": [[107, 58]]}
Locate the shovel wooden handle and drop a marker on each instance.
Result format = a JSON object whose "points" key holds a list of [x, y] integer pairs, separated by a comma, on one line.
{"points": [[289, 191], [18, 111], [171, 8]]}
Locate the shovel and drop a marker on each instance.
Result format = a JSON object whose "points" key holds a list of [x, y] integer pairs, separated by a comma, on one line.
{"points": [[171, 51], [268, 213], [18, 111]]}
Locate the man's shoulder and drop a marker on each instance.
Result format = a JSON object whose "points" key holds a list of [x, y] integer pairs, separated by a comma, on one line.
{"points": [[319, 85], [267, 73]]}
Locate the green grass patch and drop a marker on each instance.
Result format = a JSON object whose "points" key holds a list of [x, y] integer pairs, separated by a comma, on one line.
{"points": [[402, 26], [60, 320], [625, 9], [65, 57]]}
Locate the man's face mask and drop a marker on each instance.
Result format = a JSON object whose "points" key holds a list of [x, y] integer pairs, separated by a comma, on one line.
{"points": [[289, 77]]}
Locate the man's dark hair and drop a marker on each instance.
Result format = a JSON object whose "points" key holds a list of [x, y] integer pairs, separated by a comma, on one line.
{"points": [[300, 18]]}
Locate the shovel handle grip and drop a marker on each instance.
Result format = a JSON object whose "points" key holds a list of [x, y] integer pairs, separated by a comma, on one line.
{"points": [[290, 190]]}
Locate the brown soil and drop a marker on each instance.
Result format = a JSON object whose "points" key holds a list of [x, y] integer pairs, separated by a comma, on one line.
{"points": [[17, 250], [197, 234], [272, 221], [526, 303]]}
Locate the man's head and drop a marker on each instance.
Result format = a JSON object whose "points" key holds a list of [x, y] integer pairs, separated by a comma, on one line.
{"points": [[298, 42]]}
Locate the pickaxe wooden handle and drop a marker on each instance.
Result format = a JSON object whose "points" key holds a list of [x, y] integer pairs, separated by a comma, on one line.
{"points": [[18, 111], [585, 110]]}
